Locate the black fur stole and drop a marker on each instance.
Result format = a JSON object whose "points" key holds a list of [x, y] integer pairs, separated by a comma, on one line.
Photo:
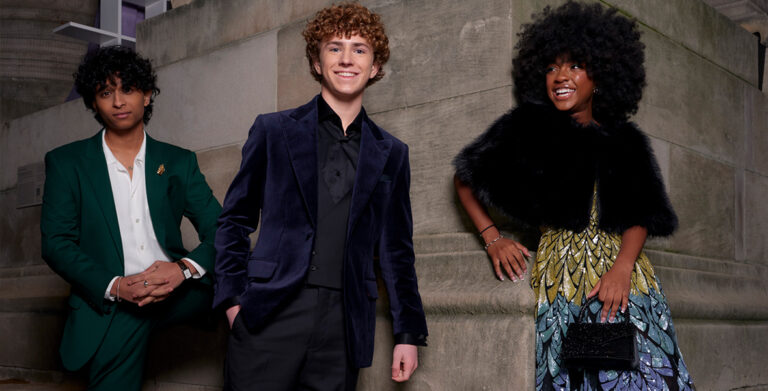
{"points": [[537, 165]]}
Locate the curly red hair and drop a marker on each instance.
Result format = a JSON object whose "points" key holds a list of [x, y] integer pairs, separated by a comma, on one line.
{"points": [[346, 20]]}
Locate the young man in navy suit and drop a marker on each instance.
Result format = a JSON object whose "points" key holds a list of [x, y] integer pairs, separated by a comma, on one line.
{"points": [[331, 190]]}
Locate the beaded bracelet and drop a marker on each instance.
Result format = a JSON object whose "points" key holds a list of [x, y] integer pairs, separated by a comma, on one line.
{"points": [[493, 241]]}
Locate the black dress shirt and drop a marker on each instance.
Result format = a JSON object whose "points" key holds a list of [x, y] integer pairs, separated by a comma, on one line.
{"points": [[337, 164], [337, 155]]}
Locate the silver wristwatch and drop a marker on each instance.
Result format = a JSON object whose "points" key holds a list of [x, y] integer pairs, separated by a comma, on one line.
{"points": [[184, 270]]}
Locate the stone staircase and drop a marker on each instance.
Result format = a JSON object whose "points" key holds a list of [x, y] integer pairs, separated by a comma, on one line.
{"points": [[473, 318], [32, 310], [481, 329]]}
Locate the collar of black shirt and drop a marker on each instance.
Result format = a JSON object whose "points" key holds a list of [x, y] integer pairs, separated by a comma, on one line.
{"points": [[326, 113]]}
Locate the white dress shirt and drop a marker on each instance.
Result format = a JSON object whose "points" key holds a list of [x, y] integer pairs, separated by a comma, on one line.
{"points": [[140, 246]]}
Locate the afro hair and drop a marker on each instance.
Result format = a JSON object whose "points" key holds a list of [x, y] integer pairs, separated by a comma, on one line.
{"points": [[606, 43], [101, 67]]}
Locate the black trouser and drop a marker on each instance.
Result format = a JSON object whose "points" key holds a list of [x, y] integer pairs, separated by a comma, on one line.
{"points": [[301, 348]]}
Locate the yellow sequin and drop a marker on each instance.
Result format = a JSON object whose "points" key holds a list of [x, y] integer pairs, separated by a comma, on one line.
{"points": [[571, 263]]}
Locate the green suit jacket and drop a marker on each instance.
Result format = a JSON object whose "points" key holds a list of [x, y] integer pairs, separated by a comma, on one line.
{"points": [[81, 237]]}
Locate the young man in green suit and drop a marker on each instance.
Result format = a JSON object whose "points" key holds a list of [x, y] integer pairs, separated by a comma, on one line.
{"points": [[112, 208]]}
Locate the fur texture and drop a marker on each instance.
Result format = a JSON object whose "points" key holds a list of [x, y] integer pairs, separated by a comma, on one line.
{"points": [[536, 165]]}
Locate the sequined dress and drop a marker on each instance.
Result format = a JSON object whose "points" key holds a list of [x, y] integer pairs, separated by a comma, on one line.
{"points": [[568, 265]]}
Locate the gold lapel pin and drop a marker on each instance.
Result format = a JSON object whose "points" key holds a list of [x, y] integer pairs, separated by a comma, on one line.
{"points": [[161, 169]]}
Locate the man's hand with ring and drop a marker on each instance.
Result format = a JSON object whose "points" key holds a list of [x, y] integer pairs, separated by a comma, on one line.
{"points": [[136, 289], [145, 288], [162, 278]]}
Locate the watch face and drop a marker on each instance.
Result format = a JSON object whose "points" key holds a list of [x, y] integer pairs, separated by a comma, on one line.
{"points": [[187, 274]]}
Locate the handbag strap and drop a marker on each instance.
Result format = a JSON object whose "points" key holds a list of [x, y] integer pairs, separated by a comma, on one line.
{"points": [[585, 306]]}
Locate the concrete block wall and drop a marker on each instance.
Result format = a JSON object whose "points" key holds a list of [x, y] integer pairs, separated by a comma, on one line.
{"points": [[220, 63]]}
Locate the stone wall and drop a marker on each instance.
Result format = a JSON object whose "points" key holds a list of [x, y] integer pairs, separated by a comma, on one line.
{"points": [[220, 63], [36, 65]]}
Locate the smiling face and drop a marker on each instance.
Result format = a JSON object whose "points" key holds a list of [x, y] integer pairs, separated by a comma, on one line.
{"points": [[570, 89], [121, 109], [346, 65]]}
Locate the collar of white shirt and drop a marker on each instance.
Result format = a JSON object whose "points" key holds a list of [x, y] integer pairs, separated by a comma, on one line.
{"points": [[111, 159]]}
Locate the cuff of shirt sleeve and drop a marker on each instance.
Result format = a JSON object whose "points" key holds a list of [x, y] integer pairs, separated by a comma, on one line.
{"points": [[229, 303], [411, 339], [107, 295], [200, 271]]}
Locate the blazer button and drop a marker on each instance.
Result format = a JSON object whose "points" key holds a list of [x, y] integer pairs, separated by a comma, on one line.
{"points": [[314, 252], [313, 268]]}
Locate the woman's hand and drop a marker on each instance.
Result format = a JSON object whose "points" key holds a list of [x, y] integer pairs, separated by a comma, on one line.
{"points": [[508, 254], [504, 253], [613, 289]]}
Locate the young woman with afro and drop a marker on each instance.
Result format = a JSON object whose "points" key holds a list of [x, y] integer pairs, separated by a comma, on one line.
{"points": [[566, 160]]}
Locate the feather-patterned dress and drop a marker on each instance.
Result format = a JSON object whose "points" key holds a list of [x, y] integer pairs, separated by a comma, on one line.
{"points": [[587, 184], [568, 265]]}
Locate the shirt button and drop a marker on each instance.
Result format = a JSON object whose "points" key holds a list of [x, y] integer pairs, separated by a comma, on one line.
{"points": [[141, 247], [137, 221]]}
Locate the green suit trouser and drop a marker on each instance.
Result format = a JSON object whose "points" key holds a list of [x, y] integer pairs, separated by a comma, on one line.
{"points": [[119, 361]]}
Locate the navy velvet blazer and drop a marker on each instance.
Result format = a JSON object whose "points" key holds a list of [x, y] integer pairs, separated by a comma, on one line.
{"points": [[278, 182]]}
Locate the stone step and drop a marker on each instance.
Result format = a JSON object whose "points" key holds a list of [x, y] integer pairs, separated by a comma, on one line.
{"points": [[460, 293], [445, 243], [24, 385], [464, 282], [33, 288], [455, 275], [30, 270], [28, 379], [719, 266], [697, 288]]}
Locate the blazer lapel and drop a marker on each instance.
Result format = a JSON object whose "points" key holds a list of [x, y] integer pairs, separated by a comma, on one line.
{"points": [[300, 131], [97, 174], [371, 161], [156, 183]]}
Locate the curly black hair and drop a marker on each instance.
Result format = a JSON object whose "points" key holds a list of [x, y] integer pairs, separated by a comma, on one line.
{"points": [[102, 66], [606, 43]]}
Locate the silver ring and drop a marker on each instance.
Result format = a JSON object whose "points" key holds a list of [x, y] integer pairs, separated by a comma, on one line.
{"points": [[146, 284]]}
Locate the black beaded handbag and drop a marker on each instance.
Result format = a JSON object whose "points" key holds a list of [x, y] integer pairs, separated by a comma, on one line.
{"points": [[600, 346]]}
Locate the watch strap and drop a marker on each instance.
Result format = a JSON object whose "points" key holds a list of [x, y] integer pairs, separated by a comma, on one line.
{"points": [[184, 270]]}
